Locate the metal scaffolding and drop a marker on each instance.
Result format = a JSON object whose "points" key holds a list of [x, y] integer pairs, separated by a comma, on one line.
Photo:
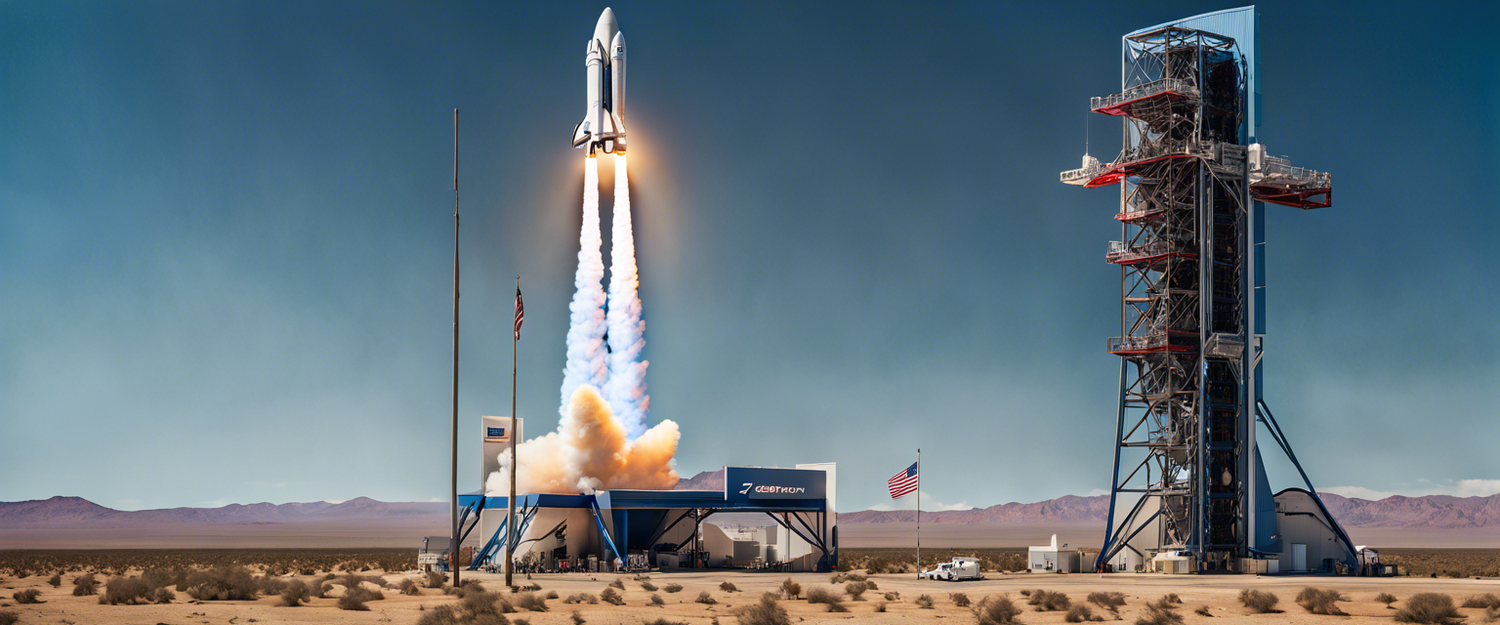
{"points": [[1189, 189]]}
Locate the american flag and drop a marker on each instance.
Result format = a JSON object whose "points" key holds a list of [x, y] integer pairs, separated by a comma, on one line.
{"points": [[903, 483], [520, 313]]}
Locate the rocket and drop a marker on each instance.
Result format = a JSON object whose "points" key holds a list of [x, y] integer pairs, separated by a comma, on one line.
{"points": [[603, 125]]}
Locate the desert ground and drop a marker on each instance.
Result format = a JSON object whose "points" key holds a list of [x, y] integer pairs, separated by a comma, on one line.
{"points": [[1217, 593]]}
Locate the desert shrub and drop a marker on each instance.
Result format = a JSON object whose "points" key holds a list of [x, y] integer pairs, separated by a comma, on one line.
{"points": [[1108, 600], [791, 589], [531, 601], [482, 603], [1491, 614], [476, 608], [577, 618], [618, 583], [436, 579], [880, 607], [354, 580], [648, 586], [1172, 597], [319, 588], [1202, 611], [520, 621], [533, 587], [55, 580], [1080, 614], [656, 600], [85, 585], [354, 599], [1025, 592], [672, 588], [1321, 601], [126, 590], [441, 615], [8, 618], [551, 594], [856, 590], [409, 587], [763, 612], [662, 621], [1487, 600], [641, 577], [296, 593], [839, 578], [728, 587], [1386, 598], [222, 583], [271, 585], [995, 610], [163, 595], [27, 596], [959, 599], [1159, 612], [1049, 601], [610, 596], [582, 597], [1259, 601], [924, 601], [705, 598], [1428, 607], [823, 594]]}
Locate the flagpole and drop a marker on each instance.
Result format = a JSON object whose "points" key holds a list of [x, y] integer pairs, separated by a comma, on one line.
{"points": [[510, 515], [453, 547], [919, 513]]}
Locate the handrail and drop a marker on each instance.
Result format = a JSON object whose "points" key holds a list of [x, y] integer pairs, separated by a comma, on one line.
{"points": [[1145, 90]]}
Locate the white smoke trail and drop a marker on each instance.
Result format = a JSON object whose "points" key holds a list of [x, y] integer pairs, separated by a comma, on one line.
{"points": [[626, 388], [589, 451], [586, 362]]}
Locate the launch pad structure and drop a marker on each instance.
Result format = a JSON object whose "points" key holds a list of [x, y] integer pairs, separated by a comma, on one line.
{"points": [[1189, 491]]}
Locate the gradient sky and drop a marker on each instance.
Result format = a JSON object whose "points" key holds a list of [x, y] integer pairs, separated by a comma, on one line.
{"points": [[225, 241]]}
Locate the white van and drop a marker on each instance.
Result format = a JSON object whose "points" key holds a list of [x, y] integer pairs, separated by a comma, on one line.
{"points": [[959, 568]]}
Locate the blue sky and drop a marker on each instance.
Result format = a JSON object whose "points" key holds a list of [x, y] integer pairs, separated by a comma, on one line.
{"points": [[225, 241]]}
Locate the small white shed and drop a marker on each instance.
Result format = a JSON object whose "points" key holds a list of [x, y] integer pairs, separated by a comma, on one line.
{"points": [[1052, 558]]}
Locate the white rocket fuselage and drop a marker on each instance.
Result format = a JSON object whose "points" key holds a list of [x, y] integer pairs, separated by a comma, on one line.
{"points": [[603, 125]]}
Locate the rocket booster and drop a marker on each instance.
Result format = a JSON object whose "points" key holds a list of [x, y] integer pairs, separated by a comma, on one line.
{"points": [[603, 125]]}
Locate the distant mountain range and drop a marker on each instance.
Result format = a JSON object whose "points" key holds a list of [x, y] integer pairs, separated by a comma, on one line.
{"points": [[70, 512], [1432, 511]]}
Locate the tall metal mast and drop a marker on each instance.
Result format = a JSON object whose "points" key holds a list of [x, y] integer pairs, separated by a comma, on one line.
{"points": [[453, 548]]}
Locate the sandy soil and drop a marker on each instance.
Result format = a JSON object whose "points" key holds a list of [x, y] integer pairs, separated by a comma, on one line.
{"points": [[1216, 592]]}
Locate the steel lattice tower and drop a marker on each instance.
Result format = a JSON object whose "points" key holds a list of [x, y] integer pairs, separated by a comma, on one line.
{"points": [[1191, 183]]}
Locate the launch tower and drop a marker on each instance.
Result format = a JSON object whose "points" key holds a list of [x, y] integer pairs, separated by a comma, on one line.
{"points": [[1189, 492]]}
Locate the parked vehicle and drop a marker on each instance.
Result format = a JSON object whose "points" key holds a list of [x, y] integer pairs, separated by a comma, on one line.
{"points": [[959, 568]]}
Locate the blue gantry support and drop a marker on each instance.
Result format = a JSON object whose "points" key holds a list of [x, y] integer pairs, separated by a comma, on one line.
{"points": [[603, 531]]}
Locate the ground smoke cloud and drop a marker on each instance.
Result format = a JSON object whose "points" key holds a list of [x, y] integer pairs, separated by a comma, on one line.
{"points": [[586, 362], [590, 451], [626, 388]]}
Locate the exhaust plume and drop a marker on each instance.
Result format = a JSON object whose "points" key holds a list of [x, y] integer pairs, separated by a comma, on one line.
{"points": [[586, 363], [590, 451], [626, 387]]}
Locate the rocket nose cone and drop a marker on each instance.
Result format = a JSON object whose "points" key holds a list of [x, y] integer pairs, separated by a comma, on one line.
{"points": [[606, 21], [619, 41], [604, 31]]}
